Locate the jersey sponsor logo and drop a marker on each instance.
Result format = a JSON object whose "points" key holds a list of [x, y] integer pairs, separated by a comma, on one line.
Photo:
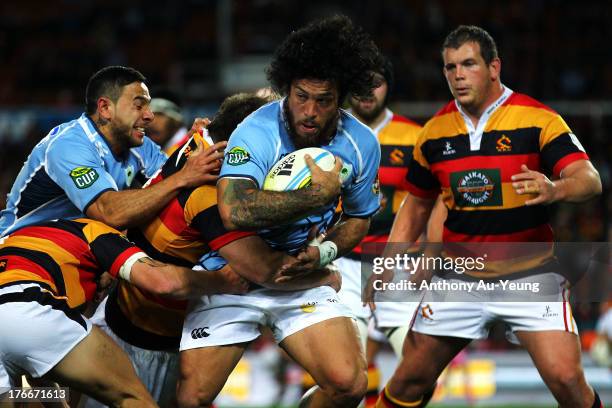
{"points": [[503, 144], [448, 149], [477, 187], [3, 265], [309, 307], [396, 157], [200, 332], [345, 172], [83, 177], [237, 156], [129, 175]]}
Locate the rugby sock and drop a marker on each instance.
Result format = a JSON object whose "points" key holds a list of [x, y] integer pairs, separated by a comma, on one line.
{"points": [[385, 400], [307, 382], [373, 383], [597, 403]]}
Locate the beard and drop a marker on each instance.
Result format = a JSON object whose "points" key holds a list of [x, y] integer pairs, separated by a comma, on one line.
{"points": [[122, 134], [322, 137], [368, 116]]}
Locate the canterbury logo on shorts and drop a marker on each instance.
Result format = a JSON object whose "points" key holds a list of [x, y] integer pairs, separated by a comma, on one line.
{"points": [[200, 332]]}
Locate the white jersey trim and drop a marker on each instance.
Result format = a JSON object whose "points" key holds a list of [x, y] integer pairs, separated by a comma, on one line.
{"points": [[385, 122], [475, 133]]}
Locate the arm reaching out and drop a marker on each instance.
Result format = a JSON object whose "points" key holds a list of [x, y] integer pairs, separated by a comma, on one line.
{"points": [[127, 208], [182, 283]]}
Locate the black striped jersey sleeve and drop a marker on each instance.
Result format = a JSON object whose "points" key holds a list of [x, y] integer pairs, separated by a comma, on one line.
{"points": [[559, 147], [110, 248], [421, 182], [202, 214]]}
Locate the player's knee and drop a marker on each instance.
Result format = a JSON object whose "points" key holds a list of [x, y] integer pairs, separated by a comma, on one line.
{"points": [[191, 394], [194, 398], [566, 380], [413, 382], [345, 386]]}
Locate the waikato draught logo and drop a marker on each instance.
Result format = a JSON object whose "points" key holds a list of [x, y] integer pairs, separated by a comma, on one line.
{"points": [[477, 187]]}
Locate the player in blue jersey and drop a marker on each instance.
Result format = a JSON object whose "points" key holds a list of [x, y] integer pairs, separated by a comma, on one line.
{"points": [[315, 68], [81, 166]]}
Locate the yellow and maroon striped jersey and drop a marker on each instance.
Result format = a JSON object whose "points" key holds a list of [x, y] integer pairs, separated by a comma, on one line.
{"points": [[64, 257], [187, 228], [475, 181], [397, 136]]}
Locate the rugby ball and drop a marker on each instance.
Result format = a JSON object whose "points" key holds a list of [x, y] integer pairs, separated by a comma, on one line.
{"points": [[292, 173]]}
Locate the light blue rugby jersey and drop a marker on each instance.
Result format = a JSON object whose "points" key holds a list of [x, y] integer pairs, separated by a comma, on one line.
{"points": [[262, 139], [68, 170]]}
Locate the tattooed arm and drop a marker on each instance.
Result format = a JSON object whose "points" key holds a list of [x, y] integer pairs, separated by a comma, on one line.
{"points": [[181, 283], [243, 206]]}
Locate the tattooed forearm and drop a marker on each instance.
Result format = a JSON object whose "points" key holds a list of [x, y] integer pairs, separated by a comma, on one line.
{"points": [[253, 208]]}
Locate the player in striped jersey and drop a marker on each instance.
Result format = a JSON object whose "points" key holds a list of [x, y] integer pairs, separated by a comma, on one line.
{"points": [[48, 271], [499, 158]]}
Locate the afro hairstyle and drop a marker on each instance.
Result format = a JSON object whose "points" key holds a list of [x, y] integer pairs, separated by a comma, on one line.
{"points": [[330, 49]]}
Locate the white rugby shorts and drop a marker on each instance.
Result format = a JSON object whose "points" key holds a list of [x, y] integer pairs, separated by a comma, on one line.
{"points": [[38, 331], [219, 320], [473, 319], [350, 292]]}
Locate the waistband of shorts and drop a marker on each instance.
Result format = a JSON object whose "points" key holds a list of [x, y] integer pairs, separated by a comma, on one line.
{"points": [[132, 334], [26, 293], [20, 286]]}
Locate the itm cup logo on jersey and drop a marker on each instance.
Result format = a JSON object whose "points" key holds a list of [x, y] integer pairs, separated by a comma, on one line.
{"points": [[3, 264], [83, 177], [237, 156]]}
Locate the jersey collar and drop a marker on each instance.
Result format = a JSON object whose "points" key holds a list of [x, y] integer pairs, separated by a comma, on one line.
{"points": [[475, 133], [84, 119]]}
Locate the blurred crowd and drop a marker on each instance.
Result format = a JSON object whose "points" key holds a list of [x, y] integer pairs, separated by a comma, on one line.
{"points": [[49, 49]]}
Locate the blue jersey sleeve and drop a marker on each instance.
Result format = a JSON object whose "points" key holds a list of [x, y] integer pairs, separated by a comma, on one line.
{"points": [[152, 158], [362, 197], [77, 168], [250, 153]]}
